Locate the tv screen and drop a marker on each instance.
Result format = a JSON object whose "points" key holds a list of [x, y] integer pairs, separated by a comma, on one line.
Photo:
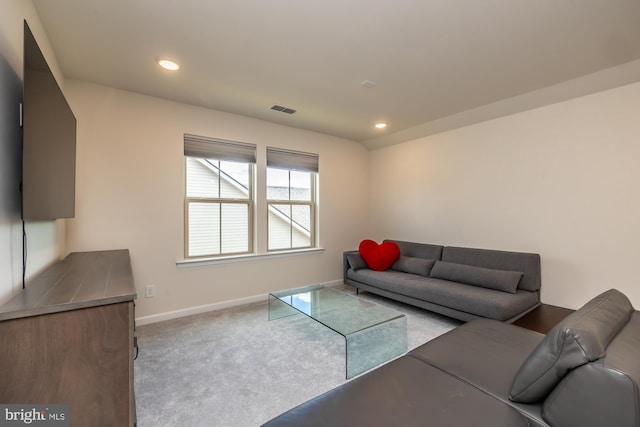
{"points": [[49, 141]]}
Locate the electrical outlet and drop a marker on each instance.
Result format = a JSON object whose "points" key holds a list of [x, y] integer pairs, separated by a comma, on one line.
{"points": [[149, 291]]}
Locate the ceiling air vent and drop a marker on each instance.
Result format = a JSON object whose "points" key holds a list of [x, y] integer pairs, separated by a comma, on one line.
{"points": [[283, 109]]}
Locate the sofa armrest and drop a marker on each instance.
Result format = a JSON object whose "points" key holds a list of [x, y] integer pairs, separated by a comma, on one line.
{"points": [[602, 392], [345, 263]]}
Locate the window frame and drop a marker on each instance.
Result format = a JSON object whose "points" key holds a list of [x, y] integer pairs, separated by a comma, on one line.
{"points": [[221, 201], [216, 150], [312, 207]]}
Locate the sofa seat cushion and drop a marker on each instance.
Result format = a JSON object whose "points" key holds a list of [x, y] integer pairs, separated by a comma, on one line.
{"points": [[405, 392], [475, 300], [486, 354]]}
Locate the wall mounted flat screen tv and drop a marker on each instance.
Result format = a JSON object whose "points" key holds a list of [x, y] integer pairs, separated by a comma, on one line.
{"points": [[48, 141]]}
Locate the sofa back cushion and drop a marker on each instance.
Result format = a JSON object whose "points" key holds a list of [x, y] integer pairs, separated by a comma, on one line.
{"points": [[356, 262], [527, 263], [580, 338], [418, 250], [413, 265], [500, 280]]}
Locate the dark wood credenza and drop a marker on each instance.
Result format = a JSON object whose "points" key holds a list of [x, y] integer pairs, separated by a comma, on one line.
{"points": [[68, 338]]}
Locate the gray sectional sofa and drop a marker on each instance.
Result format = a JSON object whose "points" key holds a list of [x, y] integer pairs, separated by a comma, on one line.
{"points": [[584, 373], [463, 283]]}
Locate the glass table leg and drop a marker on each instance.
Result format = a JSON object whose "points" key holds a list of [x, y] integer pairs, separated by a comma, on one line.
{"points": [[375, 345]]}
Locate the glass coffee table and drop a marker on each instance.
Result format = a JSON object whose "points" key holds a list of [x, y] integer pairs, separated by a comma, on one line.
{"points": [[374, 334]]}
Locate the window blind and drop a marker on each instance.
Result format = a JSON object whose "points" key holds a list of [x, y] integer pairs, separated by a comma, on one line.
{"points": [[220, 149], [295, 160]]}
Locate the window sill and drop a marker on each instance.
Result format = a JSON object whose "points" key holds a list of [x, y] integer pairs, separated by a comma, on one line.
{"points": [[198, 262]]}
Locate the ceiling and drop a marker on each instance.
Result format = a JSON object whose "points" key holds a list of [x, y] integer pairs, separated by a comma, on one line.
{"points": [[429, 59]]}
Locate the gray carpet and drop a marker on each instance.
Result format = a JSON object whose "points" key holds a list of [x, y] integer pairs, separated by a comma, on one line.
{"points": [[234, 368]]}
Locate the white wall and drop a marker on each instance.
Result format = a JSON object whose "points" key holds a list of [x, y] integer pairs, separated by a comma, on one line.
{"points": [[45, 239], [130, 195], [560, 180]]}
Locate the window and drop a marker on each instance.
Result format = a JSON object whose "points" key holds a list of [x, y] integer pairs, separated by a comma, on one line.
{"points": [[218, 196], [291, 199]]}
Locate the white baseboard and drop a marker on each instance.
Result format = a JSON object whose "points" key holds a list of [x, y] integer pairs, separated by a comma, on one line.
{"points": [[154, 318]]}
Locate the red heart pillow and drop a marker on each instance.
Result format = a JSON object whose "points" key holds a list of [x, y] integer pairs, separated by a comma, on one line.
{"points": [[379, 257]]}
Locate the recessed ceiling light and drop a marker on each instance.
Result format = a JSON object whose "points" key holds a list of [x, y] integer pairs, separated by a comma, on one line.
{"points": [[381, 125], [168, 64]]}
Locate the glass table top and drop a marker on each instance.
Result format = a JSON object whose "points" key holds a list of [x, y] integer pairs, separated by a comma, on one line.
{"points": [[344, 313]]}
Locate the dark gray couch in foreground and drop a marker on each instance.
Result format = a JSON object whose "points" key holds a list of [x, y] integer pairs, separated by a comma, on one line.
{"points": [[584, 373], [463, 283]]}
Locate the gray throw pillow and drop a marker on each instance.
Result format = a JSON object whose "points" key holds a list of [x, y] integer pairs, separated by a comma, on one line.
{"points": [[580, 338], [413, 265], [356, 262], [500, 280]]}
